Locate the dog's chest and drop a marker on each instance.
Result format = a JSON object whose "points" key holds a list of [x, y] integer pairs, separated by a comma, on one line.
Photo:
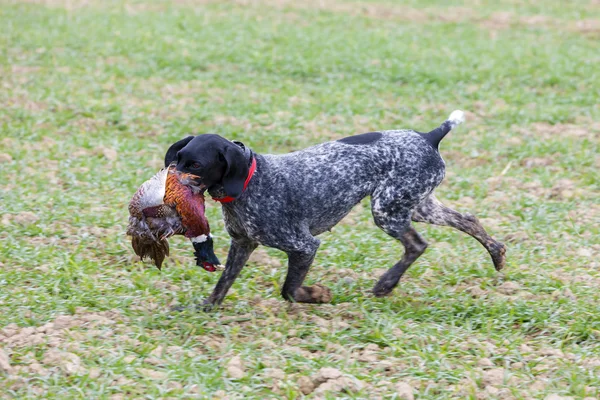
{"points": [[242, 221]]}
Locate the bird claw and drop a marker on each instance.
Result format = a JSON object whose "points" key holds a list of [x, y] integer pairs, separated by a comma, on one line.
{"points": [[167, 234], [147, 229]]}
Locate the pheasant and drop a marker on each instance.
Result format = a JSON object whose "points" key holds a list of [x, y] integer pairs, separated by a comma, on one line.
{"points": [[163, 207]]}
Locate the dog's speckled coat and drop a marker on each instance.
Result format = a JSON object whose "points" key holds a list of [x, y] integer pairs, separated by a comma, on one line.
{"points": [[294, 197]]}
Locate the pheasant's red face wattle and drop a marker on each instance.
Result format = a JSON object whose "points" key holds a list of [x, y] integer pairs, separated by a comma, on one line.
{"points": [[209, 267]]}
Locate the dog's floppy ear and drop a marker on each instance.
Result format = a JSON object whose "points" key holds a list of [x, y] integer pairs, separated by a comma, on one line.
{"points": [[235, 172], [172, 152]]}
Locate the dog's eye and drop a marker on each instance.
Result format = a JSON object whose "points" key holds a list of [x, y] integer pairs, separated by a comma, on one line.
{"points": [[195, 165]]}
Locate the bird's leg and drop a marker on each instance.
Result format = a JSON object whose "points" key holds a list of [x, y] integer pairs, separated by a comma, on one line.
{"points": [[170, 232], [148, 230]]}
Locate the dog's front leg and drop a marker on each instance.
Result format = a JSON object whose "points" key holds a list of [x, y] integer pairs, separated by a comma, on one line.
{"points": [[238, 255]]}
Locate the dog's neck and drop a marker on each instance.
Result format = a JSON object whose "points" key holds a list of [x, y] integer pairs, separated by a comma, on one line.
{"points": [[248, 154]]}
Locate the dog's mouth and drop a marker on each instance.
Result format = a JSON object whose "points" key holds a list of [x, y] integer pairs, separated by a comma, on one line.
{"points": [[191, 180]]}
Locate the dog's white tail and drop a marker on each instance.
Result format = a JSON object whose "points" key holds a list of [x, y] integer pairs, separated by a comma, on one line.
{"points": [[434, 137], [456, 118]]}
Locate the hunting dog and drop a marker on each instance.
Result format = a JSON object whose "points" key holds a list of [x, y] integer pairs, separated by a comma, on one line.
{"points": [[285, 201]]}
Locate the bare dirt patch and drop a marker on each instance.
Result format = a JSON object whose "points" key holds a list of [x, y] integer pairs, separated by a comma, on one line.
{"points": [[86, 124], [589, 26], [25, 103], [506, 20], [24, 69], [496, 21], [544, 130], [533, 162], [5, 363], [503, 188], [66, 4], [371, 10], [5, 158], [23, 218], [232, 121], [59, 338], [184, 88]]}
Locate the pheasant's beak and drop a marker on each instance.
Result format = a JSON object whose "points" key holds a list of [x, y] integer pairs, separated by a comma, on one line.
{"points": [[191, 180]]}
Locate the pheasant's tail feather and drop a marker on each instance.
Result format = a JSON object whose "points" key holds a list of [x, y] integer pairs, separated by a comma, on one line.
{"points": [[154, 250]]}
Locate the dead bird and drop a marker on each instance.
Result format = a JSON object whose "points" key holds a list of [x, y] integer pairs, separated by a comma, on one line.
{"points": [[162, 207]]}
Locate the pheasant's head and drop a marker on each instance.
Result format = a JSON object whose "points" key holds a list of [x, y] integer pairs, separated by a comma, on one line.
{"points": [[205, 255], [191, 180], [208, 161]]}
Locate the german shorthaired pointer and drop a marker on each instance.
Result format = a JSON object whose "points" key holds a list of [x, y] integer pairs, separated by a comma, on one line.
{"points": [[284, 201]]}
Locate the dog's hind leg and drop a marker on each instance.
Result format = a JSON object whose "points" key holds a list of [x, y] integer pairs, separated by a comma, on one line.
{"points": [[300, 257], [431, 211], [414, 246], [393, 218]]}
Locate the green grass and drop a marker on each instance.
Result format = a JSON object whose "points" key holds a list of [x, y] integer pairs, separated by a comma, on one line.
{"points": [[92, 93]]}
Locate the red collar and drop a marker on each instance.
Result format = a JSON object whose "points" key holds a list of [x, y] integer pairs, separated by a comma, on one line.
{"points": [[251, 171]]}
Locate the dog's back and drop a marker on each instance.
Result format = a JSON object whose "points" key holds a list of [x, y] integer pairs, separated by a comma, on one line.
{"points": [[328, 179]]}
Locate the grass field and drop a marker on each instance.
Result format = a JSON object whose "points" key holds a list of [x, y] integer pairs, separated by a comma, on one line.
{"points": [[93, 92]]}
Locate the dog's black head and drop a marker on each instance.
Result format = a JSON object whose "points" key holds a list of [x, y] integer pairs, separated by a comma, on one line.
{"points": [[213, 160]]}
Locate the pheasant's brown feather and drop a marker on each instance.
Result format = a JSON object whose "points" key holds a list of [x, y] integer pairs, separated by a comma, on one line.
{"points": [[189, 206], [155, 250], [160, 208]]}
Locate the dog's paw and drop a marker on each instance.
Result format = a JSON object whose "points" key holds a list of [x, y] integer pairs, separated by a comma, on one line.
{"points": [[207, 306], [498, 252], [384, 287], [313, 294], [381, 292]]}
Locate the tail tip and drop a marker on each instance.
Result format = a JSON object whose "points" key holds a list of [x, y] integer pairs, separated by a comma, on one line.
{"points": [[457, 117]]}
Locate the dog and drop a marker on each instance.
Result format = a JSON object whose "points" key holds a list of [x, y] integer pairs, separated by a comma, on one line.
{"points": [[285, 201]]}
